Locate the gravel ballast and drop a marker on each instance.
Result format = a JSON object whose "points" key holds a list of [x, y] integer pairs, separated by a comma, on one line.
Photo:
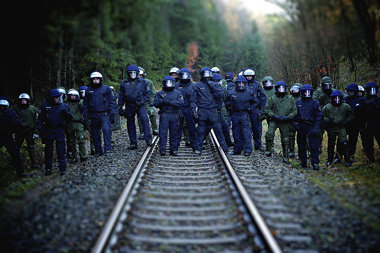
{"points": [[66, 214]]}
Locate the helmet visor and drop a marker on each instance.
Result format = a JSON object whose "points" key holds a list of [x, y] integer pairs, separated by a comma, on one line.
{"points": [[240, 85], [268, 83], [295, 89], [133, 74], [185, 76], [169, 83], [337, 100], [307, 93], [372, 91], [207, 73], [282, 89], [327, 86]]}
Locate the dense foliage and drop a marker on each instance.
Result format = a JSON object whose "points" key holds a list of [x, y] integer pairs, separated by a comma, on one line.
{"points": [[59, 43], [325, 37]]}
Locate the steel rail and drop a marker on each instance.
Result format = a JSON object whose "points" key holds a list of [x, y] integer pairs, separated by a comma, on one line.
{"points": [[262, 228], [118, 208]]}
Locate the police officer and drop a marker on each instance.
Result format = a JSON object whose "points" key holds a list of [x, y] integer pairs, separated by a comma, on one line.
{"points": [[9, 121], [75, 128], [223, 123], [82, 94], [280, 109], [361, 91], [98, 106], [186, 87], [116, 124], [307, 124], [356, 126], [295, 93], [150, 109], [336, 115], [229, 77], [52, 120], [267, 83], [230, 85], [62, 90], [372, 119], [216, 70], [204, 107], [28, 129], [238, 102], [134, 94], [174, 72], [257, 108], [322, 95], [82, 91], [169, 101]]}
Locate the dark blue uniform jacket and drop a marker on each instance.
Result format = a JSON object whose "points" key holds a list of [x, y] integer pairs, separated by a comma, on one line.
{"points": [[240, 101], [134, 93], [168, 101], [186, 90], [9, 122], [98, 100], [53, 116], [308, 112], [259, 93], [357, 105], [206, 95]]}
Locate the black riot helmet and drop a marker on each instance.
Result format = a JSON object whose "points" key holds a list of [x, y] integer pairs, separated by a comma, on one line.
{"points": [[281, 88], [241, 83], [184, 75], [206, 74], [326, 84], [336, 97], [306, 92], [168, 83]]}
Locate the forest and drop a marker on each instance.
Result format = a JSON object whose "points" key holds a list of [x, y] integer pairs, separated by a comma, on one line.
{"points": [[59, 43]]}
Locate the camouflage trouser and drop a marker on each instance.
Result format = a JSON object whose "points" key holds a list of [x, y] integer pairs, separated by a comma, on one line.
{"points": [[28, 137], [116, 124], [75, 132], [336, 136], [284, 131], [152, 118]]}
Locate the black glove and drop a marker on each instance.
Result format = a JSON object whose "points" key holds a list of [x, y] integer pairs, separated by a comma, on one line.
{"points": [[121, 112], [296, 125], [112, 118]]}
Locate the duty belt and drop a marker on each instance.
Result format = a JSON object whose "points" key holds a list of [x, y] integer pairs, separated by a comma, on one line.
{"points": [[100, 112], [54, 126]]}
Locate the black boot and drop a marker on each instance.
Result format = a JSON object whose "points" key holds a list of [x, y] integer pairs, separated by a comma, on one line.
{"points": [[330, 155], [347, 158]]}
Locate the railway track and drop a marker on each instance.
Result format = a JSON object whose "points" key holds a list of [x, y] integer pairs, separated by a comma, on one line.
{"points": [[185, 203]]}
